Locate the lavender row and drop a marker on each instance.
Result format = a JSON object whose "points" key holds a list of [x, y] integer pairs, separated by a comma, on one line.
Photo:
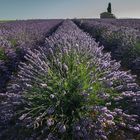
{"points": [[70, 89], [123, 42], [131, 23], [16, 38]]}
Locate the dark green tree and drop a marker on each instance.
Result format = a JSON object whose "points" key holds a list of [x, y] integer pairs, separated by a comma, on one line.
{"points": [[109, 10]]}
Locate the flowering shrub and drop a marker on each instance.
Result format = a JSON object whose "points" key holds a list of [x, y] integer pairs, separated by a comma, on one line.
{"points": [[16, 38], [119, 40], [71, 90]]}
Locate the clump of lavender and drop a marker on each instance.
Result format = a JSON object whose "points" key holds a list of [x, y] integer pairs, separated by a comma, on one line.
{"points": [[15, 38], [74, 91], [119, 40]]}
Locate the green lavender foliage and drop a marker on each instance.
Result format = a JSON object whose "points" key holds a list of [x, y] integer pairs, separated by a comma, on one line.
{"points": [[136, 49], [2, 54]]}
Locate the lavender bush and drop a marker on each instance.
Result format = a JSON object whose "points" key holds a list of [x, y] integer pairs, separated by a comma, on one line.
{"points": [[71, 90], [16, 38], [121, 41]]}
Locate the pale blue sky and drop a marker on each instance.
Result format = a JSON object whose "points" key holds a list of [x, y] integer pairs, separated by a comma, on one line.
{"points": [[28, 9]]}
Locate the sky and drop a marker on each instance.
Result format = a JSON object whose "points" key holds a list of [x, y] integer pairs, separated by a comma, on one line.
{"points": [[50, 9]]}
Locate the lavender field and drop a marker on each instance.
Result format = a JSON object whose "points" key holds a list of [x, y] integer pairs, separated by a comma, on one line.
{"points": [[75, 79]]}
